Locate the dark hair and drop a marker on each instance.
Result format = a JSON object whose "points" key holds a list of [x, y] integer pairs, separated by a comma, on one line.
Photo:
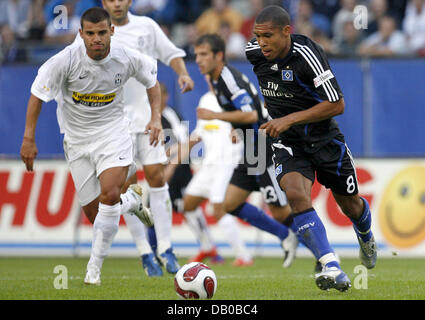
{"points": [[95, 15], [278, 16], [216, 43]]}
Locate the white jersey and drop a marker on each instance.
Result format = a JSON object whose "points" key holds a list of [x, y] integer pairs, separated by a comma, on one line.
{"points": [[89, 93], [142, 34], [216, 136]]}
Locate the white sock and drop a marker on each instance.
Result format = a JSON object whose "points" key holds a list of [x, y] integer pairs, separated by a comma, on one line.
{"points": [[228, 225], [127, 202], [160, 205], [138, 232], [329, 257], [105, 227], [198, 224]]}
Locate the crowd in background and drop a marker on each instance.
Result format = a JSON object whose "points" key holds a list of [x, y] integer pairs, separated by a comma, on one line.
{"points": [[390, 28]]}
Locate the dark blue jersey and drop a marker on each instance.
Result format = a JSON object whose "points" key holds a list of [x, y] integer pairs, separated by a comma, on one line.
{"points": [[234, 92], [295, 83]]}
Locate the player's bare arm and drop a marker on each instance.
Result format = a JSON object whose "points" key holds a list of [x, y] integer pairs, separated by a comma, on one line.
{"points": [[154, 127], [321, 111], [229, 116], [179, 152], [184, 80], [29, 148]]}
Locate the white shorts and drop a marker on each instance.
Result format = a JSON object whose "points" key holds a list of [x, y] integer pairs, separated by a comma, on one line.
{"points": [[146, 154], [87, 161], [210, 182]]}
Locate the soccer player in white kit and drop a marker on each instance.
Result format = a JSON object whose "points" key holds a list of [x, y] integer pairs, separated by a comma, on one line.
{"points": [[144, 35], [87, 83], [221, 156]]}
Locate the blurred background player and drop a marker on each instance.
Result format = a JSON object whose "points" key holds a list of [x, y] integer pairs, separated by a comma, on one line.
{"points": [[179, 173], [91, 114], [242, 108], [220, 157], [144, 34]]}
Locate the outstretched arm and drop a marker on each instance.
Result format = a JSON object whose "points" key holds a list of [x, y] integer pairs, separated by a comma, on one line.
{"points": [[236, 116], [28, 148]]}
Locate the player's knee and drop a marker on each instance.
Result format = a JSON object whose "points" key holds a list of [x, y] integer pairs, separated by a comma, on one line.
{"points": [[188, 205], [155, 177], [218, 213], [280, 213], [110, 196], [230, 207]]}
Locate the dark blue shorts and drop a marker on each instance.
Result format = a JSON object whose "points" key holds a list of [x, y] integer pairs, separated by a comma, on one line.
{"points": [[332, 164], [265, 182]]}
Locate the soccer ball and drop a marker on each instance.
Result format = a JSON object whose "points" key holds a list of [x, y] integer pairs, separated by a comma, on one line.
{"points": [[195, 280]]}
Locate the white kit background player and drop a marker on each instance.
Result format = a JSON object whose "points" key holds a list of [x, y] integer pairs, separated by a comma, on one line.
{"points": [[144, 34], [220, 158], [87, 82]]}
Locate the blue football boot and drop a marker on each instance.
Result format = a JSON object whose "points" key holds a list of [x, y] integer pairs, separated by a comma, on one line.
{"points": [[332, 278], [151, 266], [169, 260]]}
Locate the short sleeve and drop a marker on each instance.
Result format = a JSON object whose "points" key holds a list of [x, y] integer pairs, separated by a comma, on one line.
{"points": [[145, 69], [240, 98], [165, 49], [51, 76]]}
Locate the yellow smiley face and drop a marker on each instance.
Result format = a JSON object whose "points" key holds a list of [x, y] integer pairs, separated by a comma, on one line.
{"points": [[402, 209]]}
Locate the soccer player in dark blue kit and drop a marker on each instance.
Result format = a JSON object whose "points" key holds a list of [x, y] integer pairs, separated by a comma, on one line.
{"points": [[302, 97]]}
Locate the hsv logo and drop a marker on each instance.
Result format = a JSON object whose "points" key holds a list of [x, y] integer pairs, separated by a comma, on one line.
{"points": [[306, 226], [287, 75]]}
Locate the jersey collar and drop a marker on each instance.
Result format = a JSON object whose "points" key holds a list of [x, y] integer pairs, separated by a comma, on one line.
{"points": [[288, 56], [97, 62]]}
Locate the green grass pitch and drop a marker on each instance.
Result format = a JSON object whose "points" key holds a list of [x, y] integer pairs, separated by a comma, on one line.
{"points": [[123, 279]]}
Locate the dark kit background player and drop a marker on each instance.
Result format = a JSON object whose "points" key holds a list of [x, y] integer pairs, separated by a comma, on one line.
{"points": [[302, 95]]}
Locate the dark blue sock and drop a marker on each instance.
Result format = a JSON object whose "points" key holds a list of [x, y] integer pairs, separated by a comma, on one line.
{"points": [[258, 218], [289, 222], [310, 228], [152, 238], [362, 225]]}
